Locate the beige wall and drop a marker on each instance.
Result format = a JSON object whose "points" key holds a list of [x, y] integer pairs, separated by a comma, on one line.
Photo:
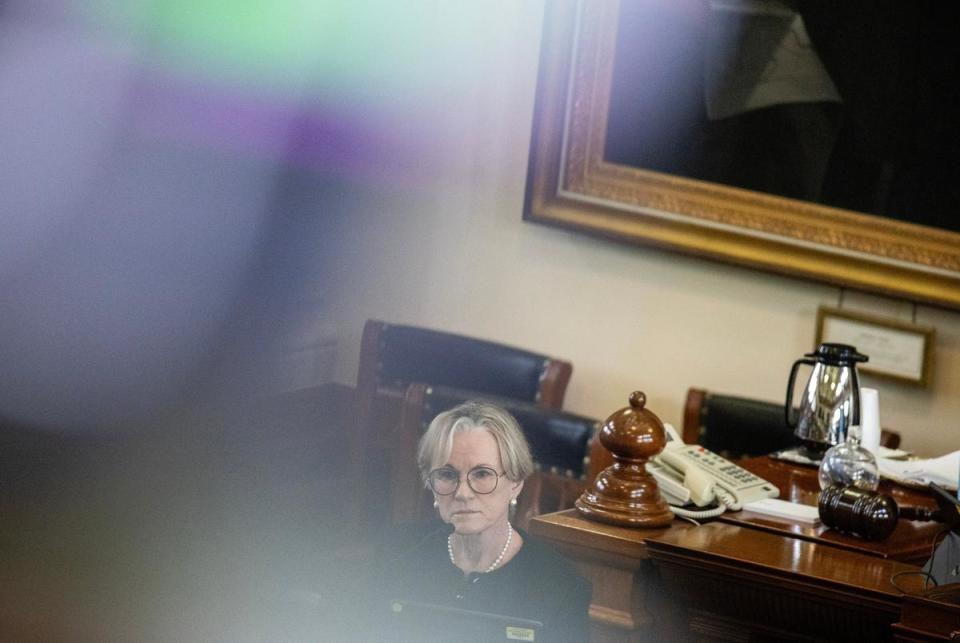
{"points": [[448, 249]]}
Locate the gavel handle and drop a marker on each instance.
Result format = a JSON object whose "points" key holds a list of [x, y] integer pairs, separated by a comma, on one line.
{"points": [[922, 513]]}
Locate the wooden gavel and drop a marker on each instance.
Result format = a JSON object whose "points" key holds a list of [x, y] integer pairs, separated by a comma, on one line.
{"points": [[873, 516]]}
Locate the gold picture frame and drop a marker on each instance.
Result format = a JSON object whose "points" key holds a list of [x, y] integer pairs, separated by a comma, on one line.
{"points": [[571, 185], [898, 350]]}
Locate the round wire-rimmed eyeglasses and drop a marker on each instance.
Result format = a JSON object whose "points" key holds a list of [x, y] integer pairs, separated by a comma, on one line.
{"points": [[446, 480]]}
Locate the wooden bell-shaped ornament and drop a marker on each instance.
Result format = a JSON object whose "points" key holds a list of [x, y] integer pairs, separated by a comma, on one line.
{"points": [[624, 493]]}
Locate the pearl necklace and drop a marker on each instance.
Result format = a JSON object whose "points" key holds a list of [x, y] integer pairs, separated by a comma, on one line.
{"points": [[496, 563]]}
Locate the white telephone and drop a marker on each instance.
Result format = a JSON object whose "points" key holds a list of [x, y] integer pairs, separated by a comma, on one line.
{"points": [[688, 473]]}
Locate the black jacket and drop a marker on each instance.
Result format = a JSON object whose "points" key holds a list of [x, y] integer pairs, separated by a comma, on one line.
{"points": [[537, 584]]}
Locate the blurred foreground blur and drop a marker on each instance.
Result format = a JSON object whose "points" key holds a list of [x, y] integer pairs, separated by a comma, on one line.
{"points": [[165, 188], [175, 178]]}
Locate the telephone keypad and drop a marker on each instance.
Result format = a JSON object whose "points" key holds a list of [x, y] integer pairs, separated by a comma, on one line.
{"points": [[735, 476]]}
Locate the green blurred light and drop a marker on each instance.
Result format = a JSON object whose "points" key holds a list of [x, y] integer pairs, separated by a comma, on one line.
{"points": [[361, 46]]}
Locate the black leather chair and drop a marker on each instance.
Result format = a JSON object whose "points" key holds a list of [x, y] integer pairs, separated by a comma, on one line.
{"points": [[737, 427], [393, 356], [558, 442]]}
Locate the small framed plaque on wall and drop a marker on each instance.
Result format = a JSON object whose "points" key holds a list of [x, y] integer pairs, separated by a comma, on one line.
{"points": [[897, 349]]}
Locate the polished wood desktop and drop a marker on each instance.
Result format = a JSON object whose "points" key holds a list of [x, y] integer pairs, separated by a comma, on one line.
{"points": [[910, 542], [744, 576]]}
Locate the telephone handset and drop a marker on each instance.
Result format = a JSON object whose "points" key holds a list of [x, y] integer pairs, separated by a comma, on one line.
{"points": [[688, 473]]}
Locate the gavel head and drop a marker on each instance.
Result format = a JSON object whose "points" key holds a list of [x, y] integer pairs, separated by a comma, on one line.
{"points": [[867, 514]]}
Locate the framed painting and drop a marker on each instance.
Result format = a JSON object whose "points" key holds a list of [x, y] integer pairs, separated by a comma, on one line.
{"points": [[638, 137]]}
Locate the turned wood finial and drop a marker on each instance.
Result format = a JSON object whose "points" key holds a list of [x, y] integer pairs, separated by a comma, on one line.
{"points": [[624, 493]]}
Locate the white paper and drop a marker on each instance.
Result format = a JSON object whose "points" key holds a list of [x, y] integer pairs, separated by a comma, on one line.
{"points": [[942, 471], [784, 509], [870, 420]]}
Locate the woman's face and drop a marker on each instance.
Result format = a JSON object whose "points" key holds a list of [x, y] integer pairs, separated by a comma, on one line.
{"points": [[470, 512]]}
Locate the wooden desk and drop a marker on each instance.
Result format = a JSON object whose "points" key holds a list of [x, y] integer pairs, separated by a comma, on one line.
{"points": [[734, 582], [744, 576], [722, 580], [910, 542], [616, 561], [931, 615]]}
